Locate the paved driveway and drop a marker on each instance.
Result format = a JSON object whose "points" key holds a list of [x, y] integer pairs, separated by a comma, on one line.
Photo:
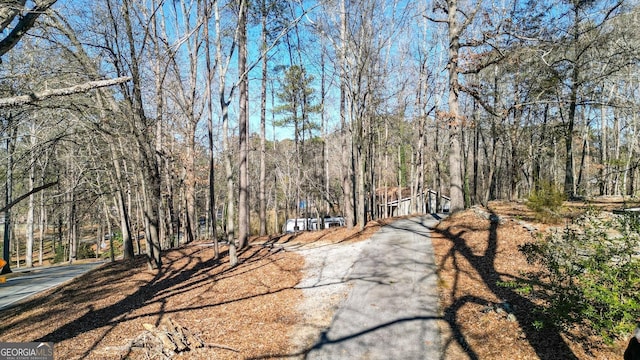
{"points": [[392, 309], [36, 280]]}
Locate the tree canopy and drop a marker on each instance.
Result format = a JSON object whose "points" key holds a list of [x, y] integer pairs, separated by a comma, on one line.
{"points": [[169, 121]]}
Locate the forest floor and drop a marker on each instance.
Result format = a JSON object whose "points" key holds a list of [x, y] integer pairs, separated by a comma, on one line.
{"points": [[475, 259], [257, 310]]}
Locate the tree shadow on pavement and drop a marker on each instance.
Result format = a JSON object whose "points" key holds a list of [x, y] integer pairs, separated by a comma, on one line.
{"points": [[324, 340], [376, 325], [547, 345]]}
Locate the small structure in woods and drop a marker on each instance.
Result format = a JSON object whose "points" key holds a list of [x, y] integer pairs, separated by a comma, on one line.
{"points": [[388, 202], [424, 202]]}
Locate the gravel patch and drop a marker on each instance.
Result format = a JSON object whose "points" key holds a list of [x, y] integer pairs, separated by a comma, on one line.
{"points": [[325, 285]]}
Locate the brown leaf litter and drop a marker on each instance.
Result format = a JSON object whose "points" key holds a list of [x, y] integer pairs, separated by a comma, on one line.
{"points": [[252, 311]]}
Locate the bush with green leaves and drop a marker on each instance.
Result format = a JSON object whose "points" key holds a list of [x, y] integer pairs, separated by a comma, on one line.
{"points": [[546, 201], [591, 275], [85, 251], [59, 254], [118, 248]]}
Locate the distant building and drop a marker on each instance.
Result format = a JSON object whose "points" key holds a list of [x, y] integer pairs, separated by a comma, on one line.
{"points": [[422, 203]]}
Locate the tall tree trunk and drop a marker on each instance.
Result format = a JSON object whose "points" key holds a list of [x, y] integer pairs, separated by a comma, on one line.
{"points": [[263, 120], [243, 118], [581, 188], [107, 217], [31, 204], [42, 225], [276, 224], [125, 223], [385, 211], [8, 190], [476, 157], [420, 191], [149, 166], [191, 118], [514, 161], [537, 158], [72, 221], [629, 168], [373, 184], [347, 182], [213, 214], [603, 151], [323, 120], [437, 181], [191, 221], [151, 224], [360, 176], [455, 121], [172, 218], [230, 230], [17, 244], [224, 109], [569, 183], [159, 98], [99, 237], [616, 152]]}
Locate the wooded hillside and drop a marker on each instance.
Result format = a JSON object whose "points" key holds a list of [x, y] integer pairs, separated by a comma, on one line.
{"points": [[166, 121]]}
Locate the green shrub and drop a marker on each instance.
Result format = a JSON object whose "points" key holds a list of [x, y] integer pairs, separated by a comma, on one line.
{"points": [[546, 201], [85, 251], [60, 254], [117, 247], [591, 275]]}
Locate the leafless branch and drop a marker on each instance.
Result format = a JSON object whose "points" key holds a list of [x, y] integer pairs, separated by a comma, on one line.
{"points": [[25, 23], [24, 196], [45, 94], [436, 20]]}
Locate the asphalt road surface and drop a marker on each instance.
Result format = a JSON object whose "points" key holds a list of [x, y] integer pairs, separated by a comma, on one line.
{"points": [[39, 279], [392, 310]]}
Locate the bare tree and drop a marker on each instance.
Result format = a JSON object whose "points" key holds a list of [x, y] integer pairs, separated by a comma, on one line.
{"points": [[210, 71], [146, 151], [455, 119], [243, 120], [12, 9]]}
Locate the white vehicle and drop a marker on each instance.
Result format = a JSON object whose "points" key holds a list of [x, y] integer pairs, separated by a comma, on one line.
{"points": [[295, 225], [333, 222], [302, 224]]}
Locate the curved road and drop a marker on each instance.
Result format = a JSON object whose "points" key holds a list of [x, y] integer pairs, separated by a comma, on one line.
{"points": [[39, 279], [392, 309]]}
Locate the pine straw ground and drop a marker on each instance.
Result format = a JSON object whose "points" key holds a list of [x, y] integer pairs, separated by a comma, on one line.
{"points": [[476, 258], [252, 311], [246, 312]]}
